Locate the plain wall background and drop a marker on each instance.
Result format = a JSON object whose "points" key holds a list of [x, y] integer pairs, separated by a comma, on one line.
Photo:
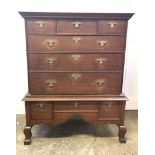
{"points": [[13, 58]]}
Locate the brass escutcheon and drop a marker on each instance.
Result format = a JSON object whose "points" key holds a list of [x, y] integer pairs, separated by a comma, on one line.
{"points": [[100, 83], [102, 43], [40, 24], [76, 39], [41, 105], [76, 76], [76, 104], [76, 24], [76, 57], [100, 60], [109, 104], [51, 83], [50, 43], [51, 61], [112, 24]]}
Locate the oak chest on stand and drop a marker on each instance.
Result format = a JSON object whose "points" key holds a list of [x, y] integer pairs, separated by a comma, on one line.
{"points": [[75, 66]]}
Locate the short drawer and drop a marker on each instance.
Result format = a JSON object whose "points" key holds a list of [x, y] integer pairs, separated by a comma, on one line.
{"points": [[75, 106], [110, 110], [41, 26], [41, 111], [112, 27], [76, 43], [76, 27], [75, 83], [76, 62]]}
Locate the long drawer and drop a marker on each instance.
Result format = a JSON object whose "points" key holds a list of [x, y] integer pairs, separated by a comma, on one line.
{"points": [[76, 62], [76, 43], [75, 83]]}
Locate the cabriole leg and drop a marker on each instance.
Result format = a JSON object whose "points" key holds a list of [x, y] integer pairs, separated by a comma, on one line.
{"points": [[121, 133], [28, 135]]}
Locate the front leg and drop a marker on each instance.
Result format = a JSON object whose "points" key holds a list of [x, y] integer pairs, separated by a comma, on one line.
{"points": [[28, 135], [121, 133]]}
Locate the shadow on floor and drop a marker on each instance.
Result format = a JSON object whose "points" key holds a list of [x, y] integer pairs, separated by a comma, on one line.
{"points": [[74, 126]]}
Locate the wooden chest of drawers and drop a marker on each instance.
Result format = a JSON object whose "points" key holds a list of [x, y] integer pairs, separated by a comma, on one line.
{"points": [[75, 66]]}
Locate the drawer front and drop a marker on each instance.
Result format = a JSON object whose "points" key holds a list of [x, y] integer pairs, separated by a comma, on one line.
{"points": [[41, 111], [75, 107], [76, 27], [76, 43], [112, 27], [110, 110], [41, 26], [76, 62], [75, 83], [60, 117]]}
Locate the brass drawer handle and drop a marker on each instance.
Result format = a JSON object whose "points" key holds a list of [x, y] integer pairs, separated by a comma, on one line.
{"points": [[102, 43], [40, 105], [51, 61], [76, 39], [100, 60], [76, 104], [50, 43], [109, 104], [76, 24], [100, 83], [76, 57], [51, 83], [40, 24], [76, 76], [112, 24]]}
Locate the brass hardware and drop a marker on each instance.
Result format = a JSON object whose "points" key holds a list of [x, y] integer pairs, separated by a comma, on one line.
{"points": [[109, 105], [76, 24], [76, 39], [76, 56], [100, 60], [40, 24], [76, 76], [50, 43], [41, 105], [100, 83], [51, 83], [112, 24], [51, 61], [76, 104], [102, 43]]}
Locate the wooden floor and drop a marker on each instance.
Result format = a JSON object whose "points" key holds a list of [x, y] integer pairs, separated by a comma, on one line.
{"points": [[76, 137]]}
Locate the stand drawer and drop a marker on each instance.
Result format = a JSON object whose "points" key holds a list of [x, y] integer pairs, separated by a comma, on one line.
{"points": [[110, 110], [41, 111], [75, 106]]}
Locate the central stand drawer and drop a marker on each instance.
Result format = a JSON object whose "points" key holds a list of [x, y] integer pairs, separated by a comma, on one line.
{"points": [[75, 106]]}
